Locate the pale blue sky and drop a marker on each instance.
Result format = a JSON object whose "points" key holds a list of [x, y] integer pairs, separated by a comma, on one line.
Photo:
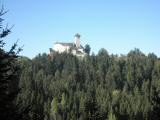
{"points": [[116, 25]]}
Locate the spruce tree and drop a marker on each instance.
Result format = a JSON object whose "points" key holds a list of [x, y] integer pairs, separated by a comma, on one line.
{"points": [[9, 75]]}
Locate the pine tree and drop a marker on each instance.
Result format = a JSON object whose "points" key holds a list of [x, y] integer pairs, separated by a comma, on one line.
{"points": [[9, 75]]}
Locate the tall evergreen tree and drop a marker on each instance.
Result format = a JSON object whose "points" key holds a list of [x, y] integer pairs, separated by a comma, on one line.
{"points": [[9, 75]]}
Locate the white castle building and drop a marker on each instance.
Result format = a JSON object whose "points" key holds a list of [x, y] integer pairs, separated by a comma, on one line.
{"points": [[75, 48]]}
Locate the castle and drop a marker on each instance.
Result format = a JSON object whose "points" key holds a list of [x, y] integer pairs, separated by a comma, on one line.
{"points": [[75, 48]]}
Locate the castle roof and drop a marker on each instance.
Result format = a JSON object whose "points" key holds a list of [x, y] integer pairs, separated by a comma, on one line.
{"points": [[65, 44], [68, 44]]}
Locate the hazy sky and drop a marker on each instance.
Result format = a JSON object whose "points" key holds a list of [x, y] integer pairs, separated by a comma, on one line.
{"points": [[116, 25]]}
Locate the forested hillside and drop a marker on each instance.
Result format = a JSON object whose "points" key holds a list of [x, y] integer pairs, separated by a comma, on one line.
{"points": [[97, 87]]}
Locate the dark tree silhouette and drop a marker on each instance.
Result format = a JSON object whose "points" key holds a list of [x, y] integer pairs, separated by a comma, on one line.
{"points": [[8, 75], [87, 49]]}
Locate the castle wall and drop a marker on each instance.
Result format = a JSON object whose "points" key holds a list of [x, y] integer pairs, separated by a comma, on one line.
{"points": [[60, 48]]}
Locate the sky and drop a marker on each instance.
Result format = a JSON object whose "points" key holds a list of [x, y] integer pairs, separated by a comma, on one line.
{"points": [[116, 25]]}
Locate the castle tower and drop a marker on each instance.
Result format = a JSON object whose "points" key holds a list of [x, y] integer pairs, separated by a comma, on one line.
{"points": [[77, 40]]}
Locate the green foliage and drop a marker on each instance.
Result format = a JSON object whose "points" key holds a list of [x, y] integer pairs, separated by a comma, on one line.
{"points": [[54, 105], [111, 116], [63, 101], [9, 76], [87, 49], [98, 87]]}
